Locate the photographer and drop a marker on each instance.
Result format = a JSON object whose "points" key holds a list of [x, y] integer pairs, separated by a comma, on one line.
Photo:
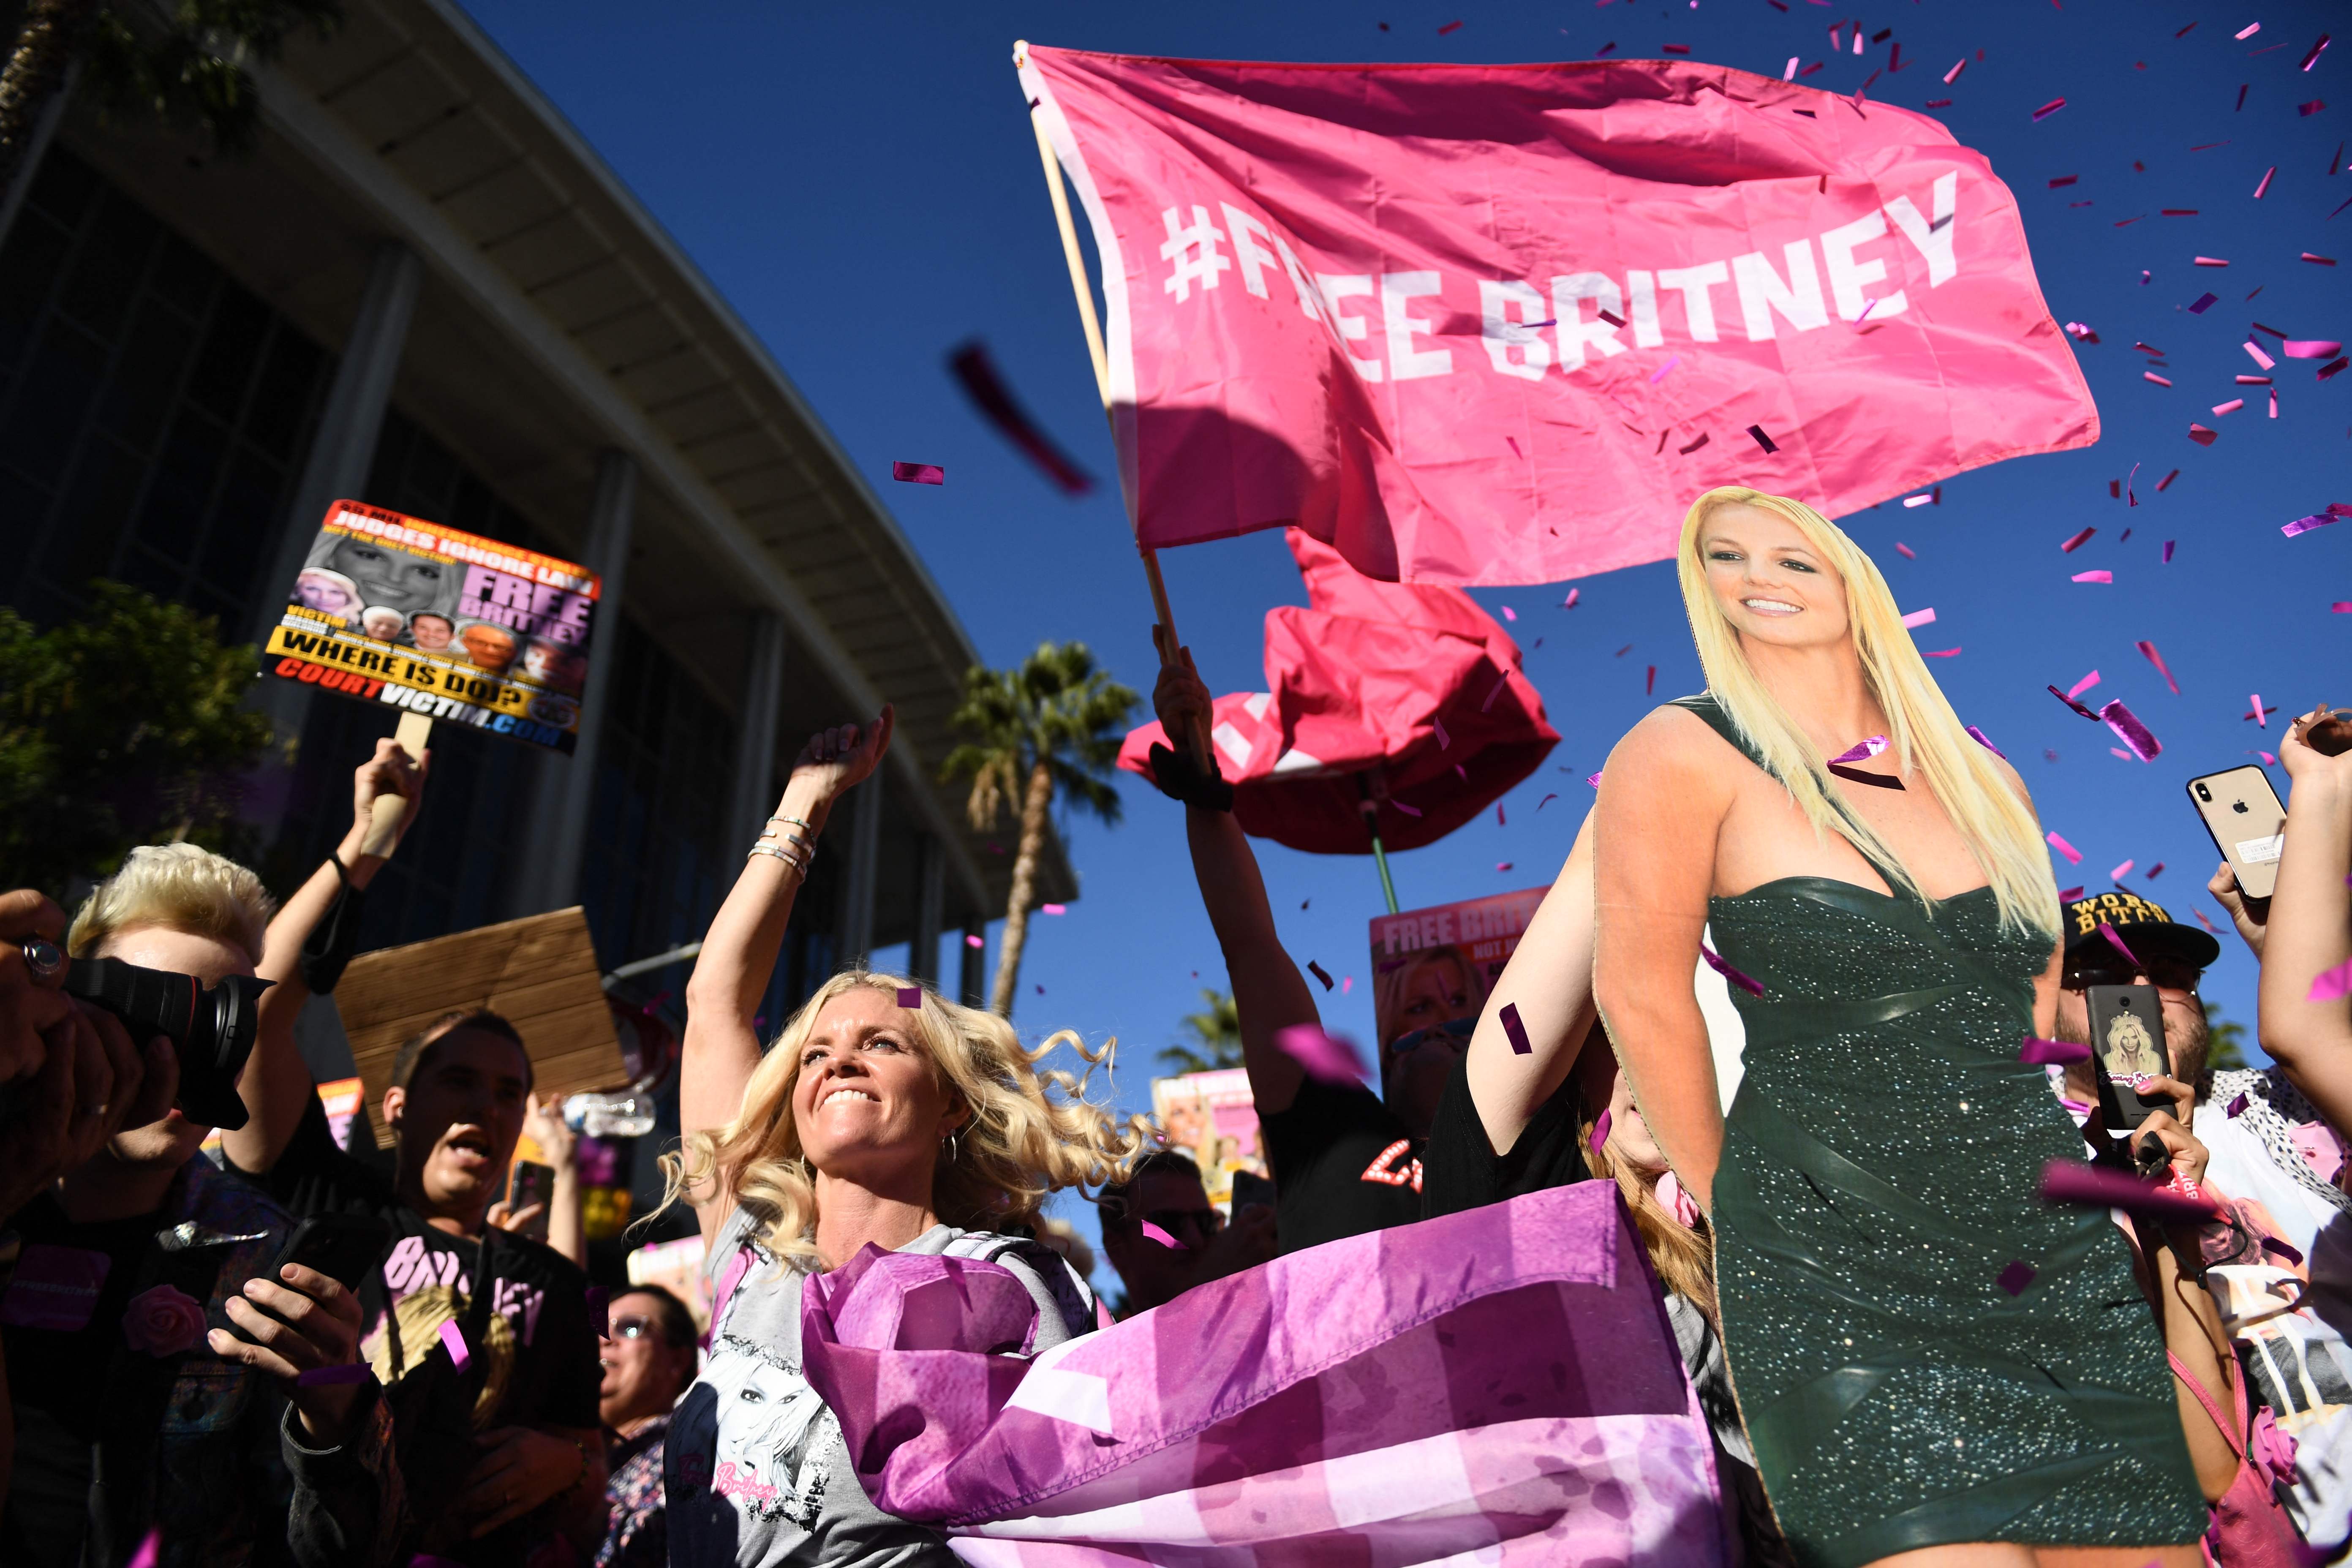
{"points": [[135, 1406], [504, 1441]]}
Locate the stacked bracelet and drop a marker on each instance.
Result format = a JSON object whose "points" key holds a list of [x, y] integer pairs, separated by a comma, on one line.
{"points": [[794, 862]]}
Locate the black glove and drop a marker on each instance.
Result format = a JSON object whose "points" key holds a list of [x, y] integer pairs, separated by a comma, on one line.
{"points": [[333, 940], [1178, 779]]}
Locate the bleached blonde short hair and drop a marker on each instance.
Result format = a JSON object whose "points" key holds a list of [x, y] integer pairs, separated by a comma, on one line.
{"points": [[177, 887]]}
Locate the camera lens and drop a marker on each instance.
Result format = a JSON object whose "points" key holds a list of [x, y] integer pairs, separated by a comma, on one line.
{"points": [[2203, 793]]}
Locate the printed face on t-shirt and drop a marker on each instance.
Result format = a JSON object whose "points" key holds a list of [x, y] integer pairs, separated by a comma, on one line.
{"points": [[766, 1416], [157, 1134]]}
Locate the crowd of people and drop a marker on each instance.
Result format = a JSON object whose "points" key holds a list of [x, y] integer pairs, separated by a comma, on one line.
{"points": [[284, 1353]]}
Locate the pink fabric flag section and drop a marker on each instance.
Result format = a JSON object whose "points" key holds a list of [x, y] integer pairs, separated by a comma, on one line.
{"points": [[1332, 289], [1499, 1387], [1411, 685]]}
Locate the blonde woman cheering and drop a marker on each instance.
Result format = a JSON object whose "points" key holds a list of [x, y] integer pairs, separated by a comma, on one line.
{"points": [[883, 1116], [1935, 1369]]}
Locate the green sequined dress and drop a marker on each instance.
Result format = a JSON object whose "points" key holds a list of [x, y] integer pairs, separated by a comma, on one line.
{"points": [[1879, 1174]]}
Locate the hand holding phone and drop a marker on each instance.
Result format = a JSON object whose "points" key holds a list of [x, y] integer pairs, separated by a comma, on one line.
{"points": [[2242, 813], [2128, 1050]]}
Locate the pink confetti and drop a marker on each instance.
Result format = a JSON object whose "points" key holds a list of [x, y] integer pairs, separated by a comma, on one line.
{"points": [[2230, 407], [970, 940], [2321, 260], [1954, 74], [2266, 182], [2312, 58], [2078, 540], [1919, 618], [2200, 434], [1330, 1058], [2166, 483], [1939, 653], [1054, 909], [2049, 109], [1600, 1131], [2120, 872], [2115, 941], [2130, 730], [1659, 374], [1154, 1232], [1569, 602], [2261, 358], [1502, 865], [1444, 740], [2095, 577], [1498, 691], [1979, 738], [1789, 73], [918, 473], [2168, 552], [150, 1552], [2331, 984], [2260, 714], [2243, 33], [1595, 780], [453, 1338], [2310, 348], [1546, 801], [1408, 810], [1716, 963], [1909, 502], [2074, 856], [2051, 1053], [1509, 614], [1346, 983], [1516, 1031], [2082, 686], [2209, 261], [1904, 550], [2151, 376], [2148, 651], [1499, 819], [2067, 895], [2078, 1182], [1860, 750]]}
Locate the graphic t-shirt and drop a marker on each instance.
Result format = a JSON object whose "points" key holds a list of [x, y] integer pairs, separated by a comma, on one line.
{"points": [[530, 1348], [1342, 1163], [757, 1472]]}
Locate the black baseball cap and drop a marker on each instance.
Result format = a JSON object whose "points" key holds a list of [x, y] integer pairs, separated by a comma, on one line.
{"points": [[2146, 929]]}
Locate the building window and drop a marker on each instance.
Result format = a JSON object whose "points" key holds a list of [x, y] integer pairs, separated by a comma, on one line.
{"points": [[153, 413]]}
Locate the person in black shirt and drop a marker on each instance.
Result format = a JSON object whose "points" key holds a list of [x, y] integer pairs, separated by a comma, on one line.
{"points": [[1345, 1161], [480, 1337], [152, 1353]]}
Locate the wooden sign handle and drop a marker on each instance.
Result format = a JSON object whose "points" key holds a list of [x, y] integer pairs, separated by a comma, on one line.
{"points": [[383, 817]]}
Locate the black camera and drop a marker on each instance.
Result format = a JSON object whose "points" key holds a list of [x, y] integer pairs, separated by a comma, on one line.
{"points": [[212, 1031]]}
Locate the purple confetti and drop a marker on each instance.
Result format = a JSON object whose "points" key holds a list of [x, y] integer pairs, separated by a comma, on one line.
{"points": [[1517, 1031], [910, 995], [2115, 937], [1720, 967], [1978, 737], [1600, 1133], [2051, 1053], [918, 473], [453, 1338], [2130, 730], [1330, 1058], [2016, 1278], [1162, 1238], [1861, 750], [2078, 1182], [2237, 1108], [333, 1377], [1316, 970]]}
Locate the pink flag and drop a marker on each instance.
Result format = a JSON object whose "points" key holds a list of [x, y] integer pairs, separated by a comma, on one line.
{"points": [[1332, 289], [1411, 684]]}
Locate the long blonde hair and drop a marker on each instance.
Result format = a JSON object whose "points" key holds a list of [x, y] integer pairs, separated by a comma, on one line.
{"points": [[1030, 1132], [1993, 820]]}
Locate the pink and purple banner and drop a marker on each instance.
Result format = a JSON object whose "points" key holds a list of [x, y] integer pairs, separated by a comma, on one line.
{"points": [[1500, 324], [1499, 1387]]}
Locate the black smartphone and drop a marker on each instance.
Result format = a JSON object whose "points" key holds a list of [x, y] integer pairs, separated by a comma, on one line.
{"points": [[1249, 1187], [2128, 1048], [342, 1247], [533, 1183]]}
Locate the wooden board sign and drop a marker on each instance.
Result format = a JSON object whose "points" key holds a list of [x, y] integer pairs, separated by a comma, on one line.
{"points": [[538, 973]]}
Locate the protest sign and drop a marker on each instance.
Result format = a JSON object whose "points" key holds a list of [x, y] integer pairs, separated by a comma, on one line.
{"points": [[1433, 967], [449, 626], [1212, 1117], [540, 974], [1487, 324]]}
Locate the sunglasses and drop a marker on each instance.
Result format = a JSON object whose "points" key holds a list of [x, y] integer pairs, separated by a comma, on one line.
{"points": [[1203, 1223], [1458, 1031], [2169, 973]]}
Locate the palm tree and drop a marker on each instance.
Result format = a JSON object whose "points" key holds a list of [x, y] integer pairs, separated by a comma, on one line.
{"points": [[182, 61], [1216, 1031], [1054, 723]]}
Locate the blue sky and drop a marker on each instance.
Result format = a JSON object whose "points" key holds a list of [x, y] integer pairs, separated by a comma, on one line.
{"points": [[861, 183]]}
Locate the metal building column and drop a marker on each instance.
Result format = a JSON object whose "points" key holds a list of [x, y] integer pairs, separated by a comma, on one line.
{"points": [[567, 785], [754, 794], [861, 848], [930, 904]]}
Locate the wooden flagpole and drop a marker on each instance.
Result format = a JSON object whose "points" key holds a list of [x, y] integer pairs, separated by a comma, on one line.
{"points": [[1085, 292]]}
